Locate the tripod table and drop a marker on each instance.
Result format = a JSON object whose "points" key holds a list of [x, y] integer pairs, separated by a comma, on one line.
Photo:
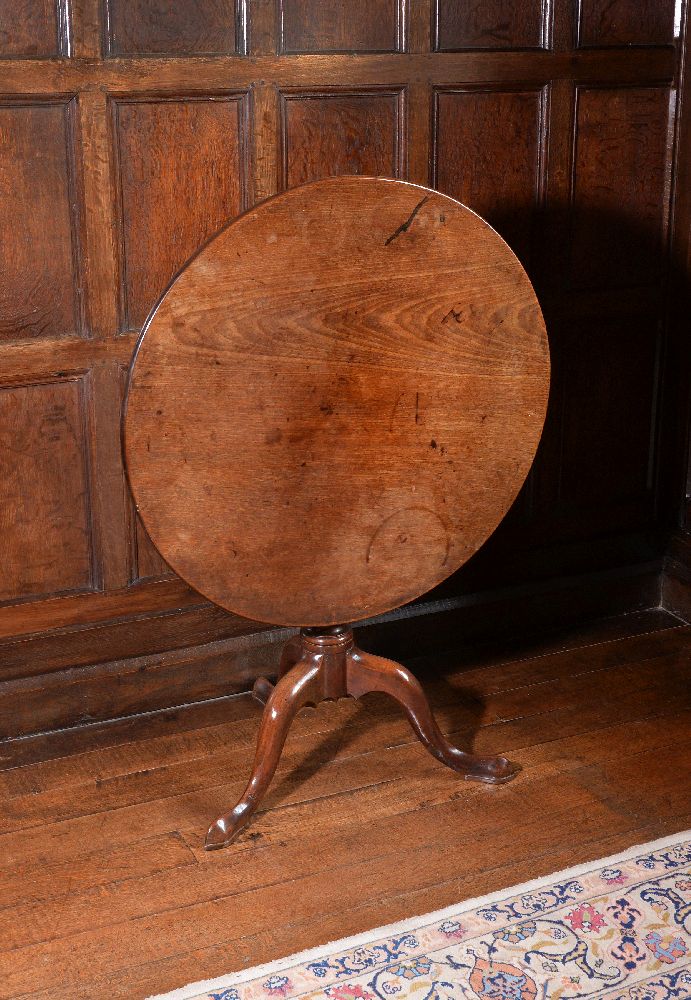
{"points": [[330, 409]]}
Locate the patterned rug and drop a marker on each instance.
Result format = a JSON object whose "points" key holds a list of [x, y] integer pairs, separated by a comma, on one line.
{"points": [[618, 928]]}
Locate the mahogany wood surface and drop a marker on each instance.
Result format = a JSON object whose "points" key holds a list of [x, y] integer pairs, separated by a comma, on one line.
{"points": [[336, 402], [107, 894]]}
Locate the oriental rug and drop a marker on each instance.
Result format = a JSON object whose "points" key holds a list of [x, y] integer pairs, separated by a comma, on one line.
{"points": [[618, 928]]}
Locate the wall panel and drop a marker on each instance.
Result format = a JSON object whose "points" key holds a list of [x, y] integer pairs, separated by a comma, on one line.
{"points": [[181, 176], [33, 28], [39, 245], [607, 461], [626, 22], [488, 154], [146, 562], [621, 186], [159, 27], [334, 26], [490, 24], [44, 490], [341, 133]]}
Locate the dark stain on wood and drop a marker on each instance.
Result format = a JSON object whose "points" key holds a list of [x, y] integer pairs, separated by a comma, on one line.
{"points": [[405, 226]]}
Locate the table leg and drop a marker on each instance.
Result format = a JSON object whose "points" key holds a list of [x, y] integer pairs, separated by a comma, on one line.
{"points": [[367, 673], [302, 685]]}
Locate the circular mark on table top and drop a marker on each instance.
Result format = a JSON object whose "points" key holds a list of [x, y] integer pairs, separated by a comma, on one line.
{"points": [[415, 535]]}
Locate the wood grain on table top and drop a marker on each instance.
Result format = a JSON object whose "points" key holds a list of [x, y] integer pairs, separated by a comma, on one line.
{"points": [[336, 401]]}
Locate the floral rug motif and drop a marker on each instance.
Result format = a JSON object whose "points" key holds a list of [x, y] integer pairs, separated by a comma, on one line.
{"points": [[618, 928]]}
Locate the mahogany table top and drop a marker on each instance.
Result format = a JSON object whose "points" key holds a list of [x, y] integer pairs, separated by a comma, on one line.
{"points": [[336, 401]]}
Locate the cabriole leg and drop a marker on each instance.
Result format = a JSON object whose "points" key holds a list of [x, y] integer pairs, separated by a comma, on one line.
{"points": [[367, 673], [300, 686]]}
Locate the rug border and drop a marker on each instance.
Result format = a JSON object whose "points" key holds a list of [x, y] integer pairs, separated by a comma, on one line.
{"points": [[193, 990]]}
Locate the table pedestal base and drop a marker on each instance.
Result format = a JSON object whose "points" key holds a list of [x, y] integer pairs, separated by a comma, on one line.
{"points": [[324, 664]]}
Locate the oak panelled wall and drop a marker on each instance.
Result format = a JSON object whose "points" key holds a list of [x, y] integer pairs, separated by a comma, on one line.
{"points": [[40, 285], [508, 193], [152, 28], [131, 130], [358, 133], [623, 22], [33, 28], [334, 26], [44, 458], [498, 24], [622, 172], [181, 173]]}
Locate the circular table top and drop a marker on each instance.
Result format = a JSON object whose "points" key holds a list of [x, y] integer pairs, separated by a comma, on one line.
{"points": [[336, 401]]}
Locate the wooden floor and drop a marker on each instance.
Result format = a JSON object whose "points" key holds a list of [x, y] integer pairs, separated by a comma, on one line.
{"points": [[105, 892]]}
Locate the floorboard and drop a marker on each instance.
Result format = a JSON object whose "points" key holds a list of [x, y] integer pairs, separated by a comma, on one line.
{"points": [[105, 891]]}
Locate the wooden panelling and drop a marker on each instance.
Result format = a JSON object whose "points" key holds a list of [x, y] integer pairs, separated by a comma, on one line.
{"points": [[606, 474], [183, 27], [348, 71], [490, 24], [626, 22], [334, 26], [32, 28], [143, 561], [143, 602], [621, 186], [147, 563], [130, 636], [228, 653], [181, 177], [488, 154], [341, 133], [44, 490], [138, 683], [676, 580], [39, 250]]}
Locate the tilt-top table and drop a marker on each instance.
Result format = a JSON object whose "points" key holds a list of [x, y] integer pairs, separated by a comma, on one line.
{"points": [[329, 411]]}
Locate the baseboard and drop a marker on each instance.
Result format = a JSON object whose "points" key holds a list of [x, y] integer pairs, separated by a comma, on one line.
{"points": [[676, 577], [58, 697], [534, 608]]}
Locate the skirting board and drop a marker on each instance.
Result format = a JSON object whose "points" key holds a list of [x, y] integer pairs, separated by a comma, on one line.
{"points": [[676, 579], [60, 698]]}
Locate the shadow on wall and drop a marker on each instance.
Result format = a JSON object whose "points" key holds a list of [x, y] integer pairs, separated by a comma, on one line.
{"points": [[612, 462]]}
